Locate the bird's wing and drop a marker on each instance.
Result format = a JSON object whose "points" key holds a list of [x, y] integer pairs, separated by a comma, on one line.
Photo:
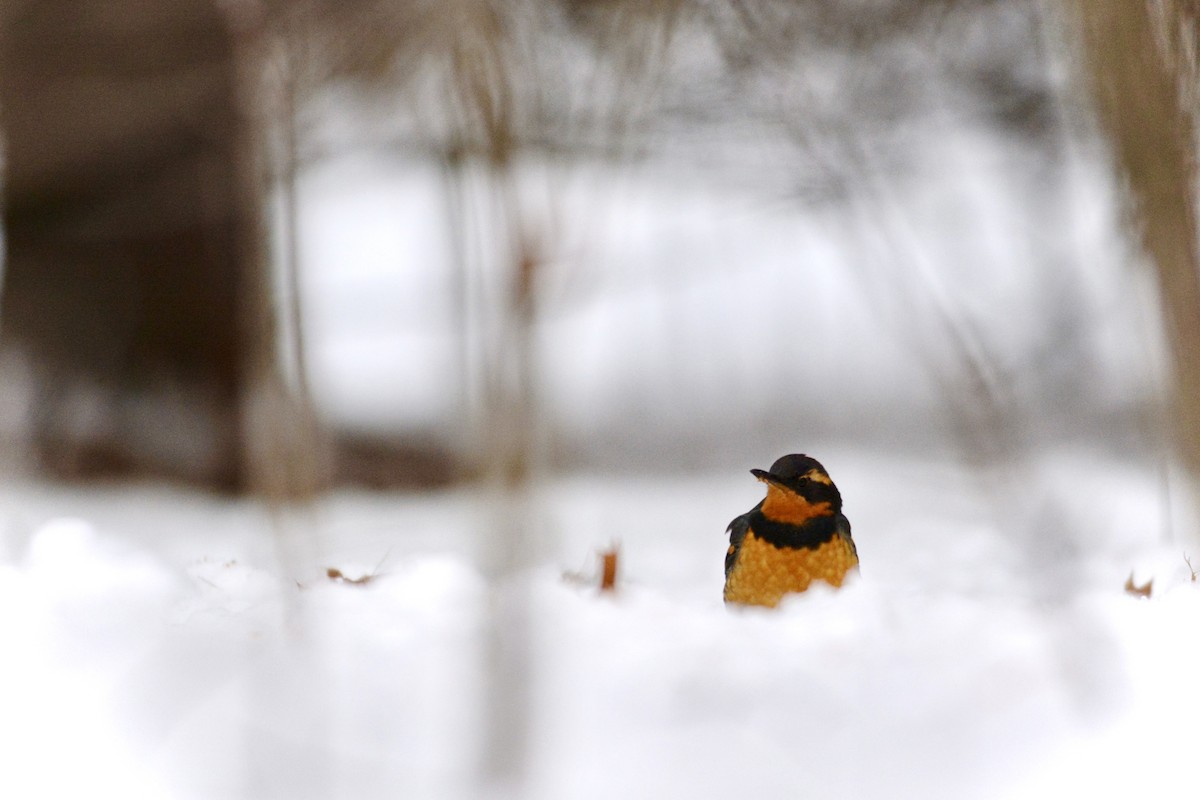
{"points": [[737, 532], [843, 530]]}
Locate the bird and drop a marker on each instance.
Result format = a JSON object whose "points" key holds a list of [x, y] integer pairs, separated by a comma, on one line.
{"points": [[795, 535]]}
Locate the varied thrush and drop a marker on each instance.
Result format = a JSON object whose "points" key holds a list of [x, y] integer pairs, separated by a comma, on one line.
{"points": [[796, 535]]}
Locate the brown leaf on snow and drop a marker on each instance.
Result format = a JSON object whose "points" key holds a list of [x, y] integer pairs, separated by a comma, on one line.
{"points": [[1138, 591], [336, 576]]}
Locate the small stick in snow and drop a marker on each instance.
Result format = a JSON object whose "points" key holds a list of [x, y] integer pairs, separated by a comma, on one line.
{"points": [[608, 574], [606, 581]]}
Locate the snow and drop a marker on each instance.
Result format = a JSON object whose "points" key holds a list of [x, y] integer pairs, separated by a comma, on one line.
{"points": [[164, 644], [727, 312]]}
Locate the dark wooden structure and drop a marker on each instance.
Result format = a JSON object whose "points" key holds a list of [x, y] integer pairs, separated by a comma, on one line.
{"points": [[125, 222]]}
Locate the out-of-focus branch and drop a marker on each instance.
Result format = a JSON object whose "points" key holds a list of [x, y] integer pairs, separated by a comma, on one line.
{"points": [[281, 447], [1136, 59]]}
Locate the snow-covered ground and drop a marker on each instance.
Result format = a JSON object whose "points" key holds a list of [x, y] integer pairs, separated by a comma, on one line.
{"points": [[162, 644], [168, 645]]}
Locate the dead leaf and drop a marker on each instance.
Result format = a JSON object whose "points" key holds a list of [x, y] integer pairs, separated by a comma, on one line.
{"points": [[1138, 591], [336, 576]]}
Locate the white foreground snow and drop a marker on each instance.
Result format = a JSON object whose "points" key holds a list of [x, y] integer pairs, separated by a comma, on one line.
{"points": [[162, 645]]}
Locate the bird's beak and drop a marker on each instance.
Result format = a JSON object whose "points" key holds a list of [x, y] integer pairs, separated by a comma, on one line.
{"points": [[766, 477]]}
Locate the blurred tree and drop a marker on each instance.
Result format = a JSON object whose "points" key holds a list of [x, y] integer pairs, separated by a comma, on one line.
{"points": [[1141, 64], [124, 219]]}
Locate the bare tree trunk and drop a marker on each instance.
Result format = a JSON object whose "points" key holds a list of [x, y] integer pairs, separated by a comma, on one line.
{"points": [[1140, 87]]}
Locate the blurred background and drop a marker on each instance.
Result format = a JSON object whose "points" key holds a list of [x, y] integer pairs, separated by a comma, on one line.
{"points": [[275, 250], [410, 243]]}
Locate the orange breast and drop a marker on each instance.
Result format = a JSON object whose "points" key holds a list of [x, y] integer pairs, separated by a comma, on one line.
{"points": [[784, 506], [764, 573]]}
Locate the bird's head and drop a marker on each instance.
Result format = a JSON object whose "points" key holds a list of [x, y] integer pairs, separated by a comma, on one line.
{"points": [[798, 487]]}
